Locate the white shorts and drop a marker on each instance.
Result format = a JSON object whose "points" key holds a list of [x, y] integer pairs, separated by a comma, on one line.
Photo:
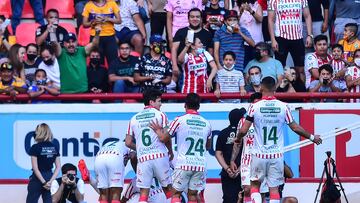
{"points": [[269, 170], [109, 169], [245, 178], [193, 180], [158, 168], [153, 198]]}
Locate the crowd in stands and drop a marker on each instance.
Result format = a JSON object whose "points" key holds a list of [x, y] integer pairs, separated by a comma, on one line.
{"points": [[200, 46]]}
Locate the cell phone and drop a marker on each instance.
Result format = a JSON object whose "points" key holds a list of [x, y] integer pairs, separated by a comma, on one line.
{"points": [[5, 24], [190, 36]]}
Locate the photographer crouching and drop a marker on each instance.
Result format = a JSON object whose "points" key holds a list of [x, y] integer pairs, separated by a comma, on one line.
{"points": [[68, 188]]}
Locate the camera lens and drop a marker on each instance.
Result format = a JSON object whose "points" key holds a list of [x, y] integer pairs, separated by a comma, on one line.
{"points": [[71, 177]]}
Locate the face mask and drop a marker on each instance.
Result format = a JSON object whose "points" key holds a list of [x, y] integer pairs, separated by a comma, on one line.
{"points": [[41, 82], [258, 56], [31, 57], [255, 79], [200, 51], [95, 61], [229, 28], [357, 62], [49, 62], [157, 49], [229, 69]]}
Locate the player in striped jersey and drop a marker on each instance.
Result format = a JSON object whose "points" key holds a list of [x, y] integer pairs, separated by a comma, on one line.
{"points": [[153, 146], [193, 134], [352, 76], [269, 117]]}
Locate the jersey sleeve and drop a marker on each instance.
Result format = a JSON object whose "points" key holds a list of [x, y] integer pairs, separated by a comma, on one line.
{"points": [[130, 130], [208, 56], [241, 79], [304, 3], [271, 5], [288, 116], [174, 125], [54, 187], [114, 6], [241, 123], [251, 111], [164, 120], [86, 10]]}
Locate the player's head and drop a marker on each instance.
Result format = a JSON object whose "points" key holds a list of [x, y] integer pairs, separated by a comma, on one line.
{"points": [[43, 133], [192, 101], [152, 97], [254, 97], [235, 115], [268, 84]]}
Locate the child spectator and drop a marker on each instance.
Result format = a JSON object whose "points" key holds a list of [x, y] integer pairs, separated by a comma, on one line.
{"points": [[42, 85], [339, 65], [350, 42], [352, 76], [229, 80], [9, 84]]}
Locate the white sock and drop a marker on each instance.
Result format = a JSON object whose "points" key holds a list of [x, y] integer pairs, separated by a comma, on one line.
{"points": [[256, 197], [274, 201]]}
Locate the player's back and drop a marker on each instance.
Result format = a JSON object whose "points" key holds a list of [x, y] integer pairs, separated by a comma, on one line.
{"points": [[148, 145], [270, 116], [192, 131], [114, 147]]}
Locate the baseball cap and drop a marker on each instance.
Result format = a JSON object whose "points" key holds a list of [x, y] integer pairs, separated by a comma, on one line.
{"points": [[156, 39], [6, 66], [231, 13], [70, 36]]}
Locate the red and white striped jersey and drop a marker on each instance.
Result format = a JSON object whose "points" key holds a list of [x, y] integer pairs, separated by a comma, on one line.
{"points": [[354, 72], [192, 133], [194, 72], [269, 118], [114, 147], [312, 60], [148, 145], [337, 65], [248, 143], [288, 17]]}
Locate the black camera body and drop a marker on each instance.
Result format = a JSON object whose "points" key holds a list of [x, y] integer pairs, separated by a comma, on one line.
{"points": [[326, 81], [71, 177]]}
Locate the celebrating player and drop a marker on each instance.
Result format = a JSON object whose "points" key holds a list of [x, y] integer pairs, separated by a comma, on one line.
{"points": [[269, 116], [152, 145]]}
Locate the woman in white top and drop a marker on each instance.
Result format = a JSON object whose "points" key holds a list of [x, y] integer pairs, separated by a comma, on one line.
{"points": [[50, 65]]}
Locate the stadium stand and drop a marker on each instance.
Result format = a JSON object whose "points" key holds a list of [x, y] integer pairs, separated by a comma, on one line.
{"points": [[65, 7], [26, 33], [27, 11], [83, 36], [68, 26], [5, 8]]}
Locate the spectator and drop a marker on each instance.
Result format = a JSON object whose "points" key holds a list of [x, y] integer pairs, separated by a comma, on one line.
{"points": [[154, 70], [291, 82], [224, 145], [31, 63], [320, 22], [17, 8], [214, 16], [79, 8], [229, 80], [50, 65], [4, 39], [105, 14], [268, 65], [52, 32], [254, 79], [10, 84], [339, 66], [326, 82], [72, 62], [352, 77], [287, 35], [43, 156], [68, 188], [316, 59], [195, 61], [347, 11], [231, 37], [350, 42], [41, 86], [265, 24], [17, 58], [97, 74], [251, 16], [177, 16], [157, 16], [195, 24], [121, 71], [132, 28]]}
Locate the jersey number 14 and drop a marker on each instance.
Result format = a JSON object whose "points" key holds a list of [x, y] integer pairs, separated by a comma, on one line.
{"points": [[270, 134]]}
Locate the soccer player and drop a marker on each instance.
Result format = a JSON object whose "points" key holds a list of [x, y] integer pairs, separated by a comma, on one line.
{"points": [[269, 117], [109, 167], [193, 136], [153, 145]]}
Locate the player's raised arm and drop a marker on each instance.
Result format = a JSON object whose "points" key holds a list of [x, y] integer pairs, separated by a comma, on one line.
{"points": [[303, 133]]}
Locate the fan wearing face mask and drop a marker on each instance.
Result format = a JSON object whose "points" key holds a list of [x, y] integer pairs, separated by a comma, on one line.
{"points": [[50, 65], [352, 75], [32, 62], [254, 79], [41, 86]]}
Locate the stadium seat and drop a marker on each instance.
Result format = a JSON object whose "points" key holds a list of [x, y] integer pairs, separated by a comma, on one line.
{"points": [[5, 8], [65, 7], [27, 34], [83, 36], [27, 11], [68, 27]]}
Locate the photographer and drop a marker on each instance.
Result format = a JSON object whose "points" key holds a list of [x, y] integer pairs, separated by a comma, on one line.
{"points": [[67, 188]]}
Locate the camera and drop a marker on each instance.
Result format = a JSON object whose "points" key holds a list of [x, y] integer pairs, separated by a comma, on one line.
{"points": [[71, 177], [325, 81]]}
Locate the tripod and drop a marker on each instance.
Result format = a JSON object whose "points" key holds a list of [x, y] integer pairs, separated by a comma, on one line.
{"points": [[327, 163]]}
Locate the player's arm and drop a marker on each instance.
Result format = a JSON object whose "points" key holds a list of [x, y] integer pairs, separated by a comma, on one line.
{"points": [[162, 132], [235, 153], [129, 142], [244, 129], [303, 133]]}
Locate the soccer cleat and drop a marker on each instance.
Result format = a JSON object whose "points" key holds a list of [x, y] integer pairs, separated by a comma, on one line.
{"points": [[85, 175]]}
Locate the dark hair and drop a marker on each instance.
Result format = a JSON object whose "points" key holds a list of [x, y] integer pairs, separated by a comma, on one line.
{"points": [[48, 48], [124, 42], [192, 101], [13, 58], [230, 53], [52, 10], [326, 67], [94, 49], [320, 38], [263, 45], [239, 2], [252, 67], [268, 82], [40, 70], [68, 167], [339, 46], [355, 52], [255, 95], [151, 95], [235, 115], [353, 27], [32, 45], [195, 9]]}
